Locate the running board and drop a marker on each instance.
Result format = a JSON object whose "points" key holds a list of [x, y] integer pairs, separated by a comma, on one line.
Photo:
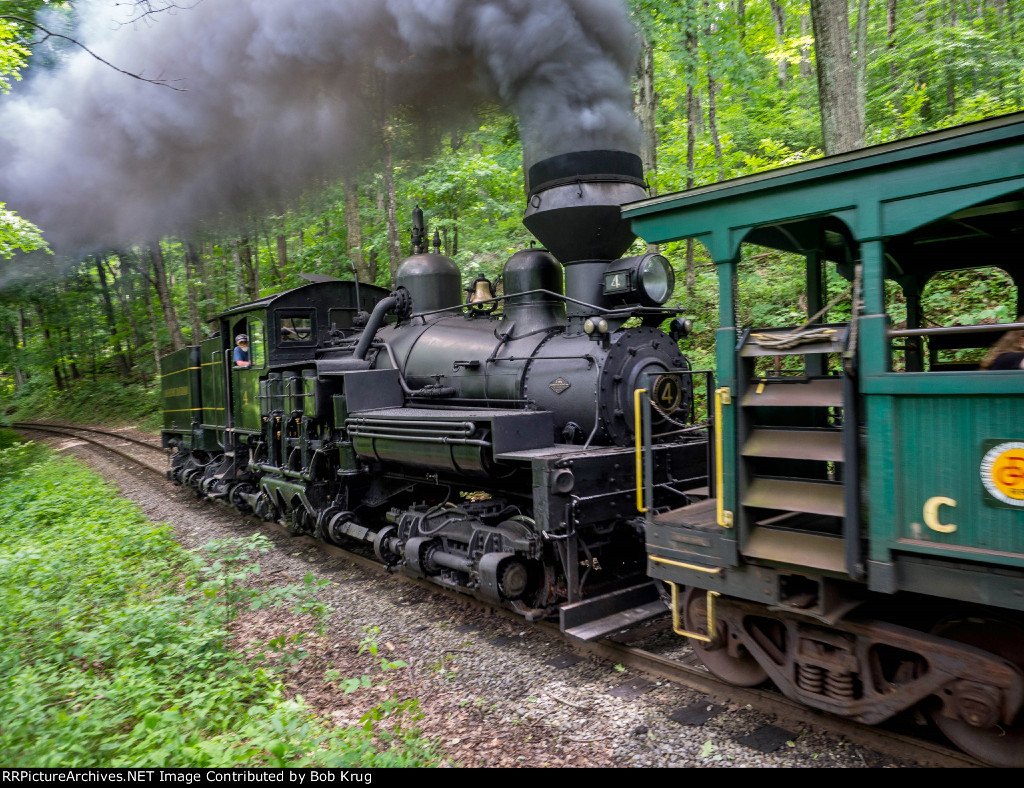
{"points": [[601, 615]]}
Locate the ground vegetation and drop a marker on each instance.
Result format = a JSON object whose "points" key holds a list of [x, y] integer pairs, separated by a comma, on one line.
{"points": [[117, 645]]}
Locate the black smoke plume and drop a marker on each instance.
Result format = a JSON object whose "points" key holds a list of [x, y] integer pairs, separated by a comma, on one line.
{"points": [[278, 93]]}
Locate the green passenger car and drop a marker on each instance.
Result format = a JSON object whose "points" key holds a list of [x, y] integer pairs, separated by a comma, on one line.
{"points": [[864, 546]]}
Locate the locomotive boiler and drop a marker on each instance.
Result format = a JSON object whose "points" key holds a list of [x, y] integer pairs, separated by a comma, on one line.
{"points": [[486, 442]]}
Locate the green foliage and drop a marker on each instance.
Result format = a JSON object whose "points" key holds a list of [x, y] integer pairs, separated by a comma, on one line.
{"points": [[17, 234], [105, 401], [369, 644], [13, 55], [15, 454], [114, 654]]}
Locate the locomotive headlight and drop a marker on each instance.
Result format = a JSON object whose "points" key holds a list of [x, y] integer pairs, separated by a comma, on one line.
{"points": [[647, 279]]}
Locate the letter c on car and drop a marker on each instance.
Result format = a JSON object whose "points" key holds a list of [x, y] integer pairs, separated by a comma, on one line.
{"points": [[931, 514]]}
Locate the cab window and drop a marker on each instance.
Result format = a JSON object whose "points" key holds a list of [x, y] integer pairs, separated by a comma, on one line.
{"points": [[253, 328], [296, 327], [257, 345]]}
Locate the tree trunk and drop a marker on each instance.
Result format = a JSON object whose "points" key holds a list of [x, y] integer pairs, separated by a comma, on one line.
{"points": [[645, 104], [12, 338], [691, 143], [275, 273], [354, 230], [58, 378], [712, 109], [950, 74], [249, 269], [20, 337], [394, 251], [163, 293], [842, 128], [693, 120], [862, 63], [108, 313], [236, 260], [1011, 37], [192, 265], [282, 255], [806, 69], [713, 126], [65, 342], [373, 262], [779, 22], [122, 286], [890, 36], [156, 337]]}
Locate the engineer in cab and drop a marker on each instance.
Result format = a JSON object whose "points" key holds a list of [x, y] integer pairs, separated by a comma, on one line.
{"points": [[241, 355]]}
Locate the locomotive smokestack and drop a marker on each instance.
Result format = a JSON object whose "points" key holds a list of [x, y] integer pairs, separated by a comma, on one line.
{"points": [[573, 208]]}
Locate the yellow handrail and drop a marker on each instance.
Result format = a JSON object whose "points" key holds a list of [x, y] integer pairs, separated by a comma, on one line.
{"points": [[711, 570], [722, 397], [638, 445], [677, 624]]}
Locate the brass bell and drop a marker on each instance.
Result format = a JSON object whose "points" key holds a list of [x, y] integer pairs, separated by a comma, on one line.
{"points": [[481, 290]]}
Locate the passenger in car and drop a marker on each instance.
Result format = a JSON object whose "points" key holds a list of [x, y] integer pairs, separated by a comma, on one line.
{"points": [[1008, 352]]}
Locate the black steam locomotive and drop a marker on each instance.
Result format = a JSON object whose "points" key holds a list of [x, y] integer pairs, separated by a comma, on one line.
{"points": [[486, 442]]}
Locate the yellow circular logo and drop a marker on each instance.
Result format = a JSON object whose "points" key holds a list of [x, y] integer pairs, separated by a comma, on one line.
{"points": [[1002, 472]]}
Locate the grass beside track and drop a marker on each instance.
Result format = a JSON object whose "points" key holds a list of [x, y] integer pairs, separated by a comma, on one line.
{"points": [[114, 649]]}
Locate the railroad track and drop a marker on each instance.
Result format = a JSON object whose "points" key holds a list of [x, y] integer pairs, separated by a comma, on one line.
{"points": [[680, 667], [113, 442]]}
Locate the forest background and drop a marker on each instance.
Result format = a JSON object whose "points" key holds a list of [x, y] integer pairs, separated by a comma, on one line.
{"points": [[721, 90]]}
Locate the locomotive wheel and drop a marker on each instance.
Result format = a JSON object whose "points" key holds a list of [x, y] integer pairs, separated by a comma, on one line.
{"points": [[742, 670], [300, 522], [995, 745]]}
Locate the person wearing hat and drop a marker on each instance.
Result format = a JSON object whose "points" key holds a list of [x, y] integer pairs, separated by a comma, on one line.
{"points": [[241, 356]]}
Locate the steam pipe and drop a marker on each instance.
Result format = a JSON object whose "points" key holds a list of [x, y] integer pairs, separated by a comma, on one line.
{"points": [[373, 325], [431, 392]]}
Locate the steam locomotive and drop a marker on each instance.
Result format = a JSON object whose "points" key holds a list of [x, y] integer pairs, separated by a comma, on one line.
{"points": [[484, 442], [847, 520]]}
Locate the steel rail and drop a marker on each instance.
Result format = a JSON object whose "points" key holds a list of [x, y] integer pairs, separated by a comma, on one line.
{"points": [[67, 431], [119, 436]]}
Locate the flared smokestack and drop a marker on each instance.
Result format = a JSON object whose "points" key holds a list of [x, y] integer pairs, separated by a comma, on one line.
{"points": [[573, 208]]}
